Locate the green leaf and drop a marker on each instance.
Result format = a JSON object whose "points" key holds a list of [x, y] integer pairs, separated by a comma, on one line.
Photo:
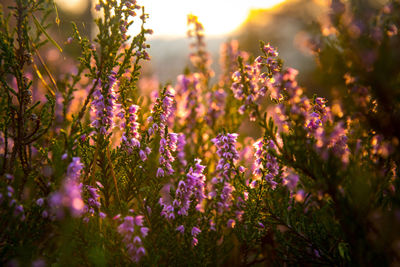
{"points": [[40, 27], [344, 250]]}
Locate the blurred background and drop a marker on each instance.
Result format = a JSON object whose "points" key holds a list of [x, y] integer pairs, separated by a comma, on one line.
{"points": [[287, 24]]}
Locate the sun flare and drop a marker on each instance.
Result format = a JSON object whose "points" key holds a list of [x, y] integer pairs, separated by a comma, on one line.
{"points": [[219, 17], [168, 18]]}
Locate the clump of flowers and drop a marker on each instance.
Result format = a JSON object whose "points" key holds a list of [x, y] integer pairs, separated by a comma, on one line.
{"points": [[221, 187], [131, 137], [251, 81], [132, 231], [265, 165], [104, 105], [70, 194], [92, 205], [190, 108], [190, 191]]}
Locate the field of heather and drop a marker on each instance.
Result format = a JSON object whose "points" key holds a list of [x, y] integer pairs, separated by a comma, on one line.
{"points": [[126, 140]]}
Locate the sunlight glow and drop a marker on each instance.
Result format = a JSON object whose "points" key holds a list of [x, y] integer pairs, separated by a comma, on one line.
{"points": [[219, 17], [168, 17], [76, 7]]}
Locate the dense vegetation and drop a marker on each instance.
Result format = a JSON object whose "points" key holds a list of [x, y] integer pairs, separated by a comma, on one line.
{"points": [[121, 178]]}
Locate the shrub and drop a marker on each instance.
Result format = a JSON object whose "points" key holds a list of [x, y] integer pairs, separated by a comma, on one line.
{"points": [[171, 179]]}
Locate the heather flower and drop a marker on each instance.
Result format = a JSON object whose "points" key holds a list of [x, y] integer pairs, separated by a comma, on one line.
{"points": [[229, 54], [131, 137], [228, 155], [132, 234], [189, 109], [104, 105], [180, 148], [161, 112], [195, 231], [167, 147], [216, 105], [338, 143], [70, 194], [380, 147], [40, 202], [290, 179], [93, 204], [200, 58], [227, 152], [250, 82], [231, 223], [265, 165], [180, 229], [9, 177], [189, 191]]}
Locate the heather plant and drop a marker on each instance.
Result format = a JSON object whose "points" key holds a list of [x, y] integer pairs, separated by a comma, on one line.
{"points": [[128, 179]]}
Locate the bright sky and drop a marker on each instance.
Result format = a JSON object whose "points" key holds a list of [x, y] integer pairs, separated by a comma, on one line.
{"points": [[168, 17]]}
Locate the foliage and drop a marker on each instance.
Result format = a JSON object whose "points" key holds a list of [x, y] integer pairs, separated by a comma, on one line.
{"points": [[170, 179]]}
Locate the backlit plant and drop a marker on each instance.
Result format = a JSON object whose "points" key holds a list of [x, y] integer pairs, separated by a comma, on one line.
{"points": [[119, 177]]}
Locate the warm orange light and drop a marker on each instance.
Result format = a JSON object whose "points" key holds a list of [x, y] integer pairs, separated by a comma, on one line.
{"points": [[76, 7], [168, 18], [219, 17]]}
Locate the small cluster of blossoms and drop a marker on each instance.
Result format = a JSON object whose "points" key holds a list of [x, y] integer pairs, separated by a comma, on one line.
{"points": [[320, 115], [195, 231], [380, 147], [317, 120], [250, 82], [228, 155], [70, 194], [11, 201], [132, 232], [216, 108], [201, 59], [191, 190], [285, 84], [180, 148], [226, 150], [189, 104], [265, 165], [93, 204], [228, 60], [290, 179], [161, 111], [167, 147], [130, 137], [104, 106], [131, 5], [314, 117]]}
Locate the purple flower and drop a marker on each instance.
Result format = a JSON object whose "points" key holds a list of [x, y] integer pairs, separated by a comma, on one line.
{"points": [[250, 83], [265, 165], [39, 202], [130, 138], [104, 105], [180, 229], [231, 223], [132, 235], [195, 231], [144, 231], [69, 196], [221, 188]]}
